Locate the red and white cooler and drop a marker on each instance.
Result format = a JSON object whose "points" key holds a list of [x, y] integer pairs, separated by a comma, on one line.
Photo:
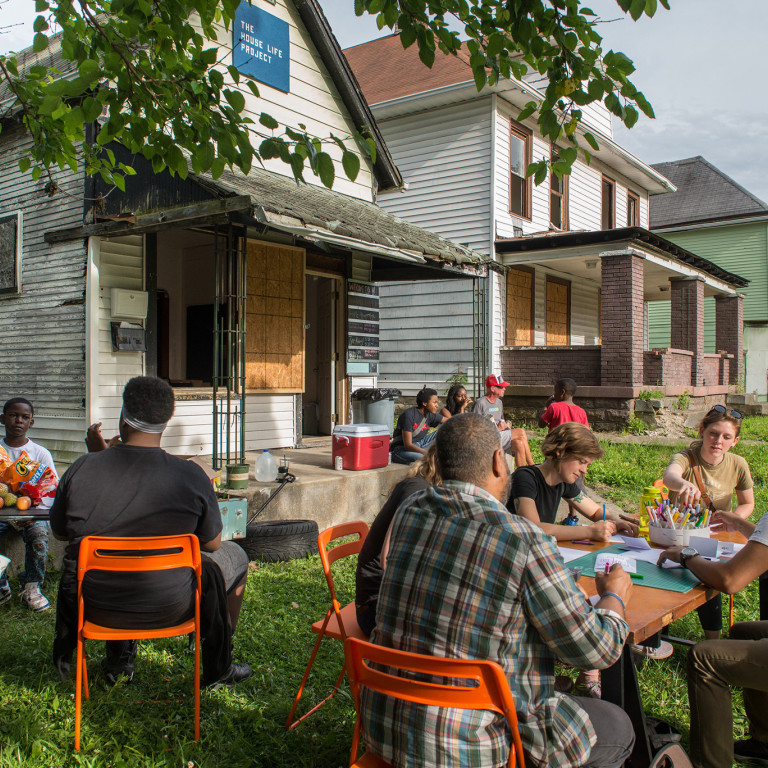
{"points": [[361, 446]]}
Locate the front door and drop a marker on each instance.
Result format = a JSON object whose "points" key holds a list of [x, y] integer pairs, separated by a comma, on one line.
{"points": [[323, 293]]}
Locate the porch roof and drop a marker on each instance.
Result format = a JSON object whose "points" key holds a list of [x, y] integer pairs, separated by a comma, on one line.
{"points": [[585, 244], [318, 214]]}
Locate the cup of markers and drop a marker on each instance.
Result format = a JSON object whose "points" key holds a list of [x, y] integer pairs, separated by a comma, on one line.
{"points": [[671, 525]]}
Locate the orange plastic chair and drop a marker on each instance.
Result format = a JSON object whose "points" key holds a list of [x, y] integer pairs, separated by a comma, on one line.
{"points": [[487, 688], [339, 623], [131, 554]]}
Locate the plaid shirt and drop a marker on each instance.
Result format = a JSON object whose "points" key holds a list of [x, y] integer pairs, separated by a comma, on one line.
{"points": [[467, 579]]}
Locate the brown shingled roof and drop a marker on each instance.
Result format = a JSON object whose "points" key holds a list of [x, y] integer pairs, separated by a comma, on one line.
{"points": [[385, 70]]}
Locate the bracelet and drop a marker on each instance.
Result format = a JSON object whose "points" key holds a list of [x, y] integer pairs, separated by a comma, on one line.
{"points": [[613, 594]]}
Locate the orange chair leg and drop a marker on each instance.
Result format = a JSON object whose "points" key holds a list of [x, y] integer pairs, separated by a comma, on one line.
{"points": [[78, 692], [197, 684], [730, 612]]}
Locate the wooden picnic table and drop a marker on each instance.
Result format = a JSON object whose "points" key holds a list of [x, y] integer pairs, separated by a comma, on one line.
{"points": [[649, 610]]}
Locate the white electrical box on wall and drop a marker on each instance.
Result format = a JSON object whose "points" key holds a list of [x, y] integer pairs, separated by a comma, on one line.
{"points": [[129, 304]]}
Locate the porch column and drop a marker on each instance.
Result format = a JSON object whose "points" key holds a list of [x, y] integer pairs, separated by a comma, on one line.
{"points": [[687, 322], [729, 332], [621, 361]]}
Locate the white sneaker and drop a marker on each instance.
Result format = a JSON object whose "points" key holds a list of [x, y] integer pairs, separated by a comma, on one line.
{"points": [[33, 598], [664, 651]]}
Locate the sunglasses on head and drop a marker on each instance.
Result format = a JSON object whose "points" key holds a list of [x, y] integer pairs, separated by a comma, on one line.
{"points": [[729, 411]]}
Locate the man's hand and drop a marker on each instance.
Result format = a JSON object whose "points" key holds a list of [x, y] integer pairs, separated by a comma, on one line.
{"points": [[502, 425], [616, 580], [602, 530], [673, 554], [625, 526], [727, 521], [95, 441], [688, 494]]}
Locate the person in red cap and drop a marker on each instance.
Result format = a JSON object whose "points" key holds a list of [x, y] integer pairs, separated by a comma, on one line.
{"points": [[514, 441]]}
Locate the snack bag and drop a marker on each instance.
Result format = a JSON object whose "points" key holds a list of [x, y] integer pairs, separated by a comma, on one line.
{"points": [[5, 461], [23, 470], [45, 487]]}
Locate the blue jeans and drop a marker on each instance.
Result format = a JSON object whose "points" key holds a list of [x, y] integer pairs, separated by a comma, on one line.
{"points": [[401, 456], [35, 538]]}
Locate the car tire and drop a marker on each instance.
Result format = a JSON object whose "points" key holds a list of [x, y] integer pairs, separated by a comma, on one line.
{"points": [[275, 541]]}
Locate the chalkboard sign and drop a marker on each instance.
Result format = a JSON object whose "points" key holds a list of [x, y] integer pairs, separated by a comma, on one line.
{"points": [[362, 327], [10, 253]]}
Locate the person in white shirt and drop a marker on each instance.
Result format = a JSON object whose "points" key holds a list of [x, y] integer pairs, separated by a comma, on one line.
{"points": [[18, 417]]}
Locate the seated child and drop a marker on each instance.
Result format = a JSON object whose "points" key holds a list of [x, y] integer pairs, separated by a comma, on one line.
{"points": [[412, 436], [17, 418]]}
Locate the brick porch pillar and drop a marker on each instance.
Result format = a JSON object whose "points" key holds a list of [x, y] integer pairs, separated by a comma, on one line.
{"points": [[622, 315], [687, 322], [729, 332]]}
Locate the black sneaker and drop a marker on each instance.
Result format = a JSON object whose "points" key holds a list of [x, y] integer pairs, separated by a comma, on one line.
{"points": [[113, 676], [751, 751], [235, 674]]}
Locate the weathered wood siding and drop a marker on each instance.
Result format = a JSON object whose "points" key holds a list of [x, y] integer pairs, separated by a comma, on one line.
{"points": [[43, 327], [313, 101]]}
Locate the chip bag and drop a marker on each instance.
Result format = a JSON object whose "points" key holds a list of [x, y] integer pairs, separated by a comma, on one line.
{"points": [[22, 470], [5, 461], [43, 488]]}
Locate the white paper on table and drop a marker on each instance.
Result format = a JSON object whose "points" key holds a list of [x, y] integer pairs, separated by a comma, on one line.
{"points": [[571, 554], [705, 547], [670, 564], [646, 555], [629, 564], [635, 542], [594, 600], [616, 540], [728, 549]]}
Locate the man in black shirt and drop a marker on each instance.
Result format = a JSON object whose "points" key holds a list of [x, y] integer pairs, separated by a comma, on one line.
{"points": [[135, 488]]}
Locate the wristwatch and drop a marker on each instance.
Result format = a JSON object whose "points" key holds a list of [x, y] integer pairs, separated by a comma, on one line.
{"points": [[686, 554]]}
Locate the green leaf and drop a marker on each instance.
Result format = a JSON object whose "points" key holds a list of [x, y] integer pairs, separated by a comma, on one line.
{"points": [[236, 99], [630, 116], [592, 141], [636, 9], [40, 24], [41, 6], [268, 121], [351, 164], [527, 111], [24, 164], [540, 173], [39, 42], [325, 169]]}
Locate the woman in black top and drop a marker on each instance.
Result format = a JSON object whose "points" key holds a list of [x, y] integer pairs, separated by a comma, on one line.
{"points": [[370, 571], [536, 490]]}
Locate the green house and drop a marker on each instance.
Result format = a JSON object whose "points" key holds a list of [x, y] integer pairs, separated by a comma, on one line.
{"points": [[716, 218]]}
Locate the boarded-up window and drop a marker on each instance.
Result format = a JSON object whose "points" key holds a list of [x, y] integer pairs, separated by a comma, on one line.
{"points": [[558, 311], [274, 357], [520, 290], [10, 253]]}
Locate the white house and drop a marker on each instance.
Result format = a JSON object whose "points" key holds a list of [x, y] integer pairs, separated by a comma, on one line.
{"points": [[463, 156]]}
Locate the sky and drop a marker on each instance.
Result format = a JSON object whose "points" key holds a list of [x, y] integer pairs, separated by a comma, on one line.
{"points": [[701, 65]]}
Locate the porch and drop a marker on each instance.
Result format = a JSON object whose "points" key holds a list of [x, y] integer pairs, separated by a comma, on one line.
{"points": [[578, 303]]}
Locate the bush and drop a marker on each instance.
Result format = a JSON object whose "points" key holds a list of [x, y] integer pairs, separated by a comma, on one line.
{"points": [[635, 426]]}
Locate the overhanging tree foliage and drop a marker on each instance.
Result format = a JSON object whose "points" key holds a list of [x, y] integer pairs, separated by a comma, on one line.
{"points": [[158, 79]]}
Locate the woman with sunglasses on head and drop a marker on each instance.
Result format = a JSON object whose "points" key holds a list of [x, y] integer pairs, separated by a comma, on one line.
{"points": [[707, 473]]}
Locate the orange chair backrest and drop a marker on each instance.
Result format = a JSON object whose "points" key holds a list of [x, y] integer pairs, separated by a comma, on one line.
{"points": [[328, 557], [139, 553], [487, 687]]}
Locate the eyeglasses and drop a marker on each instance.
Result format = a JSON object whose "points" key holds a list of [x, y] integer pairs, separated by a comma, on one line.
{"points": [[729, 411]]}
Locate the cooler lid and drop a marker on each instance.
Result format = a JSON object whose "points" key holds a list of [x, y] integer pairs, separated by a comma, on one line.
{"points": [[361, 430]]}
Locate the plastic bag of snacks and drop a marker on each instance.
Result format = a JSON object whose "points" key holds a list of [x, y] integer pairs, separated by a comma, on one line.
{"points": [[43, 488], [29, 478], [5, 461]]}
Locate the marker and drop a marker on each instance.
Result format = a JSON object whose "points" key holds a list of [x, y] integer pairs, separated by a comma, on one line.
{"points": [[638, 576], [603, 512], [579, 541], [607, 568]]}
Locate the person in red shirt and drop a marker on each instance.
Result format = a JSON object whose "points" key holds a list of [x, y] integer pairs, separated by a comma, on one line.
{"points": [[561, 407]]}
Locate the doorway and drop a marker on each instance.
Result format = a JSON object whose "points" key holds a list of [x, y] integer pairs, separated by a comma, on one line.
{"points": [[319, 411]]}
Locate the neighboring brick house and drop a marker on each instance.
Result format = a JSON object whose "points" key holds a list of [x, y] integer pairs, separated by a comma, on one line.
{"points": [[578, 263], [715, 217]]}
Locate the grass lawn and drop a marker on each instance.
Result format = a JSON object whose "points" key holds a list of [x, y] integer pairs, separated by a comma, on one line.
{"points": [[243, 726]]}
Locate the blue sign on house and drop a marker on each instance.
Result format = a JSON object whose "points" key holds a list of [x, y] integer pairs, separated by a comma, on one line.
{"points": [[261, 46]]}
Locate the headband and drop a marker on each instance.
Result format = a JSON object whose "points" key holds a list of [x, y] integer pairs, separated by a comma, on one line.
{"points": [[142, 426]]}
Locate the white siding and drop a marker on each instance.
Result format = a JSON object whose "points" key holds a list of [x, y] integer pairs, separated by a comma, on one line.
{"points": [[313, 101], [426, 333], [497, 320], [444, 156]]}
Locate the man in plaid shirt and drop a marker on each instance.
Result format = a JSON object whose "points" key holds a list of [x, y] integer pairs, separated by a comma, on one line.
{"points": [[464, 578]]}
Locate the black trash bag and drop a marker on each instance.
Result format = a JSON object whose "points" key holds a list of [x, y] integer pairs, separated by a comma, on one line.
{"points": [[374, 394]]}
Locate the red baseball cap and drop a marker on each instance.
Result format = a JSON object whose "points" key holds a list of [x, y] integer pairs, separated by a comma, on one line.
{"points": [[495, 381]]}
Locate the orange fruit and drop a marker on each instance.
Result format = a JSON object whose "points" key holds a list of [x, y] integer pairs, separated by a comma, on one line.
{"points": [[23, 502], [1, 503]]}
